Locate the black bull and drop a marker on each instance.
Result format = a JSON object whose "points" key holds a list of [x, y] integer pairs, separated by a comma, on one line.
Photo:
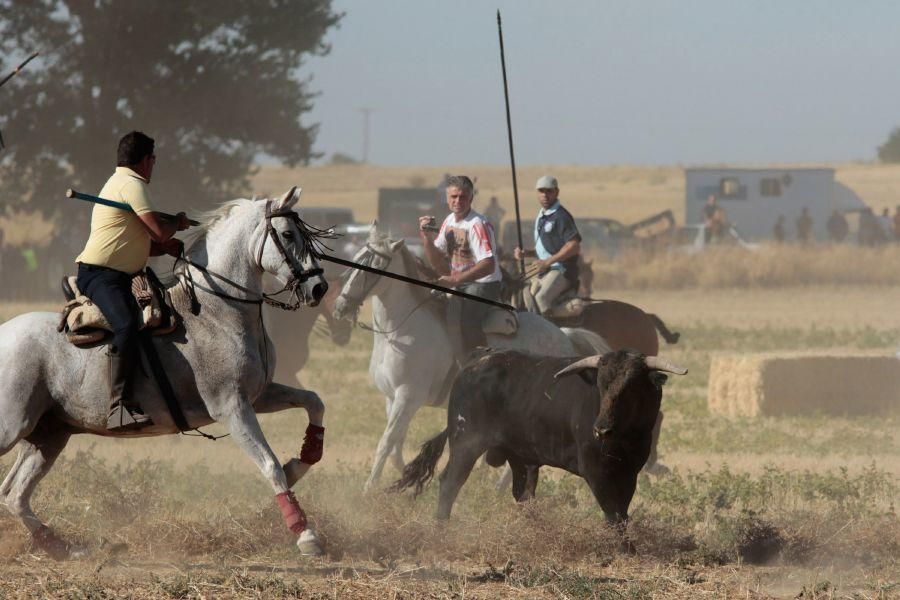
{"points": [[592, 417]]}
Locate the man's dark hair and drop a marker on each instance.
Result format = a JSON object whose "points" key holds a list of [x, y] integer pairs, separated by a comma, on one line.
{"points": [[133, 148]]}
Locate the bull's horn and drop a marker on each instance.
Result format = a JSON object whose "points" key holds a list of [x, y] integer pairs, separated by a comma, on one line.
{"points": [[591, 362], [660, 364]]}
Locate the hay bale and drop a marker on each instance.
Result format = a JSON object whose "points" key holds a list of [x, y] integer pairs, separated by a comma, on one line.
{"points": [[751, 385]]}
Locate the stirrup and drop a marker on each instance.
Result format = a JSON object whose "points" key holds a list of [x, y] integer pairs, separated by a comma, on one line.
{"points": [[121, 418]]}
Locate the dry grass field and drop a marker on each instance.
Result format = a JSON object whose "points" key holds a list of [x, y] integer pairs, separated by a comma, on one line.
{"points": [[625, 193], [788, 507]]}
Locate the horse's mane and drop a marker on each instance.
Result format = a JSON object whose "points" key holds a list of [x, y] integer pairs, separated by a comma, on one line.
{"points": [[413, 266], [210, 218]]}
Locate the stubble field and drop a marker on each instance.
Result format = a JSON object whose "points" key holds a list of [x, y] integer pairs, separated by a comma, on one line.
{"points": [[772, 507]]}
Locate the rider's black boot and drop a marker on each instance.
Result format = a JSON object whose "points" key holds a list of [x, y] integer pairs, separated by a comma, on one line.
{"points": [[124, 414]]}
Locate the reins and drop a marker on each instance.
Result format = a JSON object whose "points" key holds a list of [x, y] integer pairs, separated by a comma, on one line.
{"points": [[367, 289]]}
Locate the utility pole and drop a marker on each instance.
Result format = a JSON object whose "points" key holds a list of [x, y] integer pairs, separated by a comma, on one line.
{"points": [[365, 140]]}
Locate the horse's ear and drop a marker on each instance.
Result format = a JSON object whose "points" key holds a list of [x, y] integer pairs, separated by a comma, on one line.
{"points": [[289, 199], [396, 245]]}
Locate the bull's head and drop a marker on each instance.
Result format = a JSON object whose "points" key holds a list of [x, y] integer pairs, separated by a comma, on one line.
{"points": [[630, 388]]}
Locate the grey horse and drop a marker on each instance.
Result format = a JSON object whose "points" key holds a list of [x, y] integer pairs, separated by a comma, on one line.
{"points": [[412, 355], [220, 360]]}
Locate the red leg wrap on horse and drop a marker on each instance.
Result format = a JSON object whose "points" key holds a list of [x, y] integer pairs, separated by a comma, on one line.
{"points": [[313, 444], [294, 517]]}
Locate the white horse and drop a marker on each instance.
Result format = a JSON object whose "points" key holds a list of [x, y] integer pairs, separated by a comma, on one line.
{"points": [[412, 355], [220, 361]]}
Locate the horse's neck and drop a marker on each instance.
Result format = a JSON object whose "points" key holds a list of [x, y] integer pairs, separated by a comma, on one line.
{"points": [[394, 302], [226, 253]]}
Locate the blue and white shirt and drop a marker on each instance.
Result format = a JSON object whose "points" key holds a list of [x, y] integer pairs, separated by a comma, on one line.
{"points": [[553, 228]]}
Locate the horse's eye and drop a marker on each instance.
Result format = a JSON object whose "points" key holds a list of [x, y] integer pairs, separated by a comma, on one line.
{"points": [[288, 235]]}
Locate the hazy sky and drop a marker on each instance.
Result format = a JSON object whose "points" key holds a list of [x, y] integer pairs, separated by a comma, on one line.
{"points": [[594, 82]]}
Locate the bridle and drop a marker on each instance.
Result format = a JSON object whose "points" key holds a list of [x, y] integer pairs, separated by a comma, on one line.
{"points": [[309, 237], [355, 302]]}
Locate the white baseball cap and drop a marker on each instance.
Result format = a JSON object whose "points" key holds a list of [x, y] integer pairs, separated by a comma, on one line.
{"points": [[547, 182]]}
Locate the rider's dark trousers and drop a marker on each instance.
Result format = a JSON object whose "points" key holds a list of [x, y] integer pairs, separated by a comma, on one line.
{"points": [[471, 313], [110, 290]]}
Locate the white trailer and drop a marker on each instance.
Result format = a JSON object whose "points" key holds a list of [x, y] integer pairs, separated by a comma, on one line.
{"points": [[754, 198]]}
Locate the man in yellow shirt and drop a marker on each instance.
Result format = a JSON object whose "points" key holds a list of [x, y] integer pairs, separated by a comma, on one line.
{"points": [[118, 247]]}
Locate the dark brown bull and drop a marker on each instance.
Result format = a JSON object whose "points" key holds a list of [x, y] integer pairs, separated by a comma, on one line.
{"points": [[592, 417]]}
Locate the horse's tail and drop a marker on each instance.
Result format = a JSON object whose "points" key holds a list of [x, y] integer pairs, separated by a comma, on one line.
{"points": [[421, 470], [671, 337]]}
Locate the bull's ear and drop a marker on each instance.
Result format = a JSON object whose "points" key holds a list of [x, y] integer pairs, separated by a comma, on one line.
{"points": [[658, 378], [591, 362], [658, 363]]}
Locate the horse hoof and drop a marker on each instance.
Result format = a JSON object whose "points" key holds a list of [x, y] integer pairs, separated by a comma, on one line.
{"points": [[76, 552], [657, 469], [55, 547], [628, 547], [309, 545]]}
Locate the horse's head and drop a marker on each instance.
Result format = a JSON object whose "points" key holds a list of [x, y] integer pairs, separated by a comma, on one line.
{"points": [[378, 253], [286, 248], [338, 329]]}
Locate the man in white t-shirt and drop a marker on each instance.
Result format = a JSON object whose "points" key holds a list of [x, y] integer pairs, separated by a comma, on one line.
{"points": [[464, 253]]}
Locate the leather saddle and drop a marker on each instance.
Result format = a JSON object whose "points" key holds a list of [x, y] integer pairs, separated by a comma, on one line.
{"points": [[84, 324]]}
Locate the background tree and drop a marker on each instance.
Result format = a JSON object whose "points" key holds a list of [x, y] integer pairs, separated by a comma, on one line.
{"points": [[215, 83], [889, 152]]}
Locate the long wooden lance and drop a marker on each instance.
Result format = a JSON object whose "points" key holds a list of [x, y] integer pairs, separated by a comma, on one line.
{"points": [[19, 68], [512, 156], [419, 282], [70, 193], [10, 76]]}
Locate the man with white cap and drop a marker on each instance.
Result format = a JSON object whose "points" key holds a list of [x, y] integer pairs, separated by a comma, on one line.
{"points": [[557, 244]]}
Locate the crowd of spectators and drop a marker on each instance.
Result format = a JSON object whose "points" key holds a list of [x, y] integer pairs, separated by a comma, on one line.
{"points": [[873, 230]]}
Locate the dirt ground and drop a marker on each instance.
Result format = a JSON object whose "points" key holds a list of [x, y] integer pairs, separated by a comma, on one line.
{"points": [[181, 517]]}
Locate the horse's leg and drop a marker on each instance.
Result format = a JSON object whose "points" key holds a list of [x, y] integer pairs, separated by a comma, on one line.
{"points": [[277, 397], [396, 453], [244, 427], [37, 453], [505, 479], [403, 408], [11, 475]]}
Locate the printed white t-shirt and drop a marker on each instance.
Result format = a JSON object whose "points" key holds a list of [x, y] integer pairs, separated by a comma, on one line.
{"points": [[468, 242]]}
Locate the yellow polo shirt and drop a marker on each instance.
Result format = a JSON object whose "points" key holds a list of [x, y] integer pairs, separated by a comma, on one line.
{"points": [[119, 240]]}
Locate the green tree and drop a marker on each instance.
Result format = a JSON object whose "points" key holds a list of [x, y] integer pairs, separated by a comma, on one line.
{"points": [[215, 83], [889, 152]]}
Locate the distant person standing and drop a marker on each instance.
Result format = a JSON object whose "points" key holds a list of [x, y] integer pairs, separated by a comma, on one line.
{"points": [[804, 226], [869, 231], [886, 225], [837, 227], [778, 231], [494, 214], [710, 212], [896, 227]]}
